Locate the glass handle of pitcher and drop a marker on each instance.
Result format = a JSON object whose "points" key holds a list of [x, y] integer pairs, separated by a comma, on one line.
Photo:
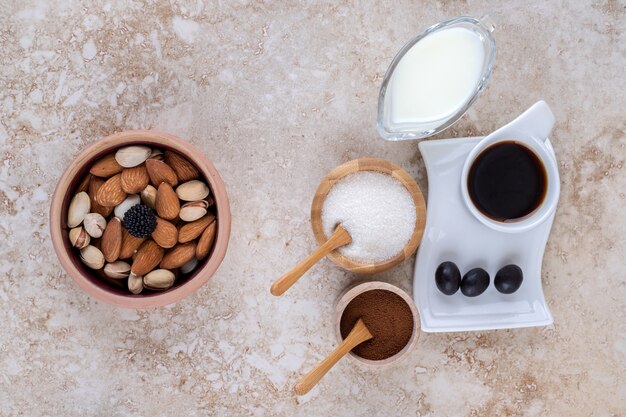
{"points": [[488, 23]]}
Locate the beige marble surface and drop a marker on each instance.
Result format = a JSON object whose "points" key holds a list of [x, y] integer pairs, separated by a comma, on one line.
{"points": [[277, 93]]}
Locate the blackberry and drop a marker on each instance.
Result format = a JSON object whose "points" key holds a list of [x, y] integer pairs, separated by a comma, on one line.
{"points": [[139, 220]]}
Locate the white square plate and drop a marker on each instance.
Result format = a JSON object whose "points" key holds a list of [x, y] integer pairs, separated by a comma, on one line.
{"points": [[453, 234]]}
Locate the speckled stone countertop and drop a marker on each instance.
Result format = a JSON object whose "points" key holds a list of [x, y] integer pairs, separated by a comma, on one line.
{"points": [[277, 94]]}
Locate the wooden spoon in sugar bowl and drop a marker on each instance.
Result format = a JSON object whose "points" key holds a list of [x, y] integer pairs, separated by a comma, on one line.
{"points": [[357, 335], [340, 237]]}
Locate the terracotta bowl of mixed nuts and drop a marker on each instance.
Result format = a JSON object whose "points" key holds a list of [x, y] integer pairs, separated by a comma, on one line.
{"points": [[140, 219]]}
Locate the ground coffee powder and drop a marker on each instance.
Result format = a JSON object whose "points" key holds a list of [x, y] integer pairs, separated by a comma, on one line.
{"points": [[388, 318]]}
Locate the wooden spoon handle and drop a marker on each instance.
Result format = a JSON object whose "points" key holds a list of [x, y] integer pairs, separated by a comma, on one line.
{"points": [[358, 335], [340, 237]]}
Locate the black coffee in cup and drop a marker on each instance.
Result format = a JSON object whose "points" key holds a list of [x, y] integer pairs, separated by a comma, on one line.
{"points": [[507, 181]]}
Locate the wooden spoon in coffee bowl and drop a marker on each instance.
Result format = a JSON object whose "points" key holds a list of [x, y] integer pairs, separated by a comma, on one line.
{"points": [[340, 237], [357, 335]]}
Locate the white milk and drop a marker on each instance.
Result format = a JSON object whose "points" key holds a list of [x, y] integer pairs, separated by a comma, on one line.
{"points": [[436, 76]]}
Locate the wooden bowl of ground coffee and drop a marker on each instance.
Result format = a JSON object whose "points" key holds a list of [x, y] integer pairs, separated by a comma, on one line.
{"points": [[389, 314]]}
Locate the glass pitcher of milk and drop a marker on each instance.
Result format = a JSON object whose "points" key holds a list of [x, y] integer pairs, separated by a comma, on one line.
{"points": [[435, 78]]}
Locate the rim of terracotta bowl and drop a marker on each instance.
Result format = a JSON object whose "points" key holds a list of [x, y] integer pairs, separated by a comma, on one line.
{"points": [[376, 165], [69, 257], [359, 288]]}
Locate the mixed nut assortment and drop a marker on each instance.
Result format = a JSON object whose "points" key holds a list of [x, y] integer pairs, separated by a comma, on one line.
{"points": [[143, 217], [475, 281]]}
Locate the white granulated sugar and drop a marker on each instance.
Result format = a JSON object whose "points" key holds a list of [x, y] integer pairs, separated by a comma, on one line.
{"points": [[376, 210]]}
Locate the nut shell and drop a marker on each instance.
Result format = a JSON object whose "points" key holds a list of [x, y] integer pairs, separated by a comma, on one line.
{"points": [[94, 224], [79, 238], [92, 257], [159, 279], [193, 210], [117, 270], [78, 209], [131, 156], [192, 191], [135, 283]]}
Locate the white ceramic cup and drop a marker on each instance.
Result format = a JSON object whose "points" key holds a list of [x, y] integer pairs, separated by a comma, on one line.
{"points": [[530, 129]]}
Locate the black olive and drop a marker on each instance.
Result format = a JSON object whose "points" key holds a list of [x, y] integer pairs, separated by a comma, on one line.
{"points": [[508, 279], [474, 282], [448, 278]]}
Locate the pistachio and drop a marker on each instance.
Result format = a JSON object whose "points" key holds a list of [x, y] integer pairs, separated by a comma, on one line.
{"points": [[92, 257], [124, 206], [131, 156], [193, 210], [79, 237], [148, 196], [159, 279], [193, 190], [189, 266], [78, 209], [157, 154], [95, 224], [117, 270], [135, 283]]}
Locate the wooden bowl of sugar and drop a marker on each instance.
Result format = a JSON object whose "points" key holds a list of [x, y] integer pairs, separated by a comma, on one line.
{"points": [[379, 204]]}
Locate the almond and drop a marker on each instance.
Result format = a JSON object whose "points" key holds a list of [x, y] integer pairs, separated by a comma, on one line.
{"points": [[190, 231], [112, 240], [94, 186], [111, 193], [160, 172], [178, 256], [148, 257], [165, 234], [206, 241], [167, 204], [135, 179], [106, 167], [185, 171], [84, 184], [130, 244]]}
